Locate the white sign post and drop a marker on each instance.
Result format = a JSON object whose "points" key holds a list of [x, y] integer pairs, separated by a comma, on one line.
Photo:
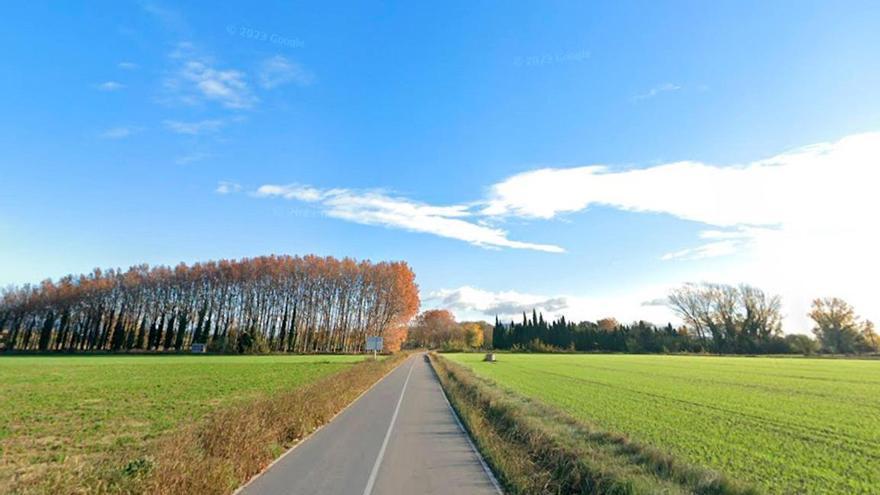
{"points": [[374, 344]]}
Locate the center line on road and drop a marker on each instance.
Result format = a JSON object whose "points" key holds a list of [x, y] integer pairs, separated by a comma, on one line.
{"points": [[370, 482]]}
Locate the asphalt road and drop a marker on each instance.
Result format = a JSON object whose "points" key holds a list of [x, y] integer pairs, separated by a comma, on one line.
{"points": [[400, 437]]}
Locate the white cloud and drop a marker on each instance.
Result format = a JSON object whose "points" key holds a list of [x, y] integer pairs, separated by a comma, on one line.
{"points": [[377, 208], [301, 193], [127, 65], [470, 303], [227, 187], [722, 243], [504, 304], [118, 132], [656, 90], [196, 80], [195, 128], [790, 188], [227, 87], [278, 71], [110, 86]]}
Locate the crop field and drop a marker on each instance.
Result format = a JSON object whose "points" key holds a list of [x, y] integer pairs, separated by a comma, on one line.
{"points": [[62, 413], [787, 425]]}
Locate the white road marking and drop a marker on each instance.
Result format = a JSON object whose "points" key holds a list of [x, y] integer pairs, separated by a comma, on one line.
{"points": [[372, 481]]}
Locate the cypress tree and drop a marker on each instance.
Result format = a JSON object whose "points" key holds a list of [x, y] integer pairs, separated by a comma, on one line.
{"points": [[118, 338], [169, 334], [181, 331], [46, 332], [129, 339]]}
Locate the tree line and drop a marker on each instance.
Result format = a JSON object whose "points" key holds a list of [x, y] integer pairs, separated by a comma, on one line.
{"points": [[717, 318], [437, 329], [536, 334], [264, 304]]}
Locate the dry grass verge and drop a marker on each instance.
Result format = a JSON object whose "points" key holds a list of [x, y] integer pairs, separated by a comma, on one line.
{"points": [[233, 444], [534, 448]]}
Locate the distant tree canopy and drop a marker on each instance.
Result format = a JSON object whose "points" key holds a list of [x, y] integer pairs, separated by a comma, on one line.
{"points": [[473, 334], [839, 330], [434, 327], [733, 319], [437, 329], [717, 318], [269, 303], [536, 334]]}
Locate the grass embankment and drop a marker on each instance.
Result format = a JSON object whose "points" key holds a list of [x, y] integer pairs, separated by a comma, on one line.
{"points": [[538, 449], [786, 425], [118, 424]]}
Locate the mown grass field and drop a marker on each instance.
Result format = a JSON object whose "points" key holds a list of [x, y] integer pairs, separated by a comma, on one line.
{"points": [[788, 425], [61, 414]]}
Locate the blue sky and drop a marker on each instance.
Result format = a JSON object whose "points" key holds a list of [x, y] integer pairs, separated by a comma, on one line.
{"points": [[456, 136]]}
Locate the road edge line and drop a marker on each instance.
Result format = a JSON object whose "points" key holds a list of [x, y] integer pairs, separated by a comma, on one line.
{"points": [[316, 430], [467, 436], [371, 481]]}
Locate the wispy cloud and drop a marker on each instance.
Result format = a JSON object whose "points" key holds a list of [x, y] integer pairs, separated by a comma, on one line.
{"points": [[278, 71], [191, 158], [227, 187], [120, 132], [227, 87], [110, 86], [127, 65], [168, 18], [378, 208], [709, 250], [195, 128], [721, 243], [657, 90], [196, 80]]}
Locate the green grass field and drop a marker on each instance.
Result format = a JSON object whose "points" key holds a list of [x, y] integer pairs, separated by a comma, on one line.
{"points": [[788, 425], [60, 413]]}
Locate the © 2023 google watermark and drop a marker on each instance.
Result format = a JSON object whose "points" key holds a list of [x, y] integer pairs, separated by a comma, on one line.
{"points": [[258, 35]]}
